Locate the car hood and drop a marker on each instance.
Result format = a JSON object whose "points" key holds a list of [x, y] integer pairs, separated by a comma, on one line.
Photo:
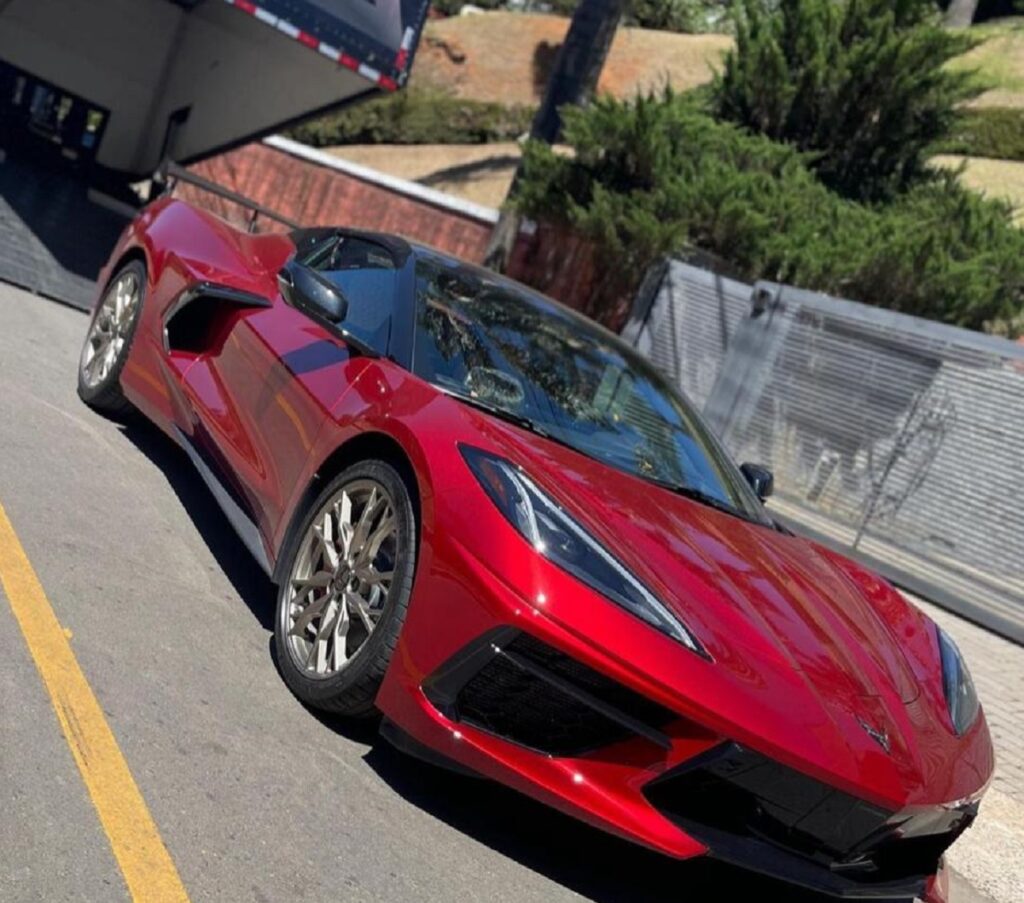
{"points": [[734, 582], [814, 659]]}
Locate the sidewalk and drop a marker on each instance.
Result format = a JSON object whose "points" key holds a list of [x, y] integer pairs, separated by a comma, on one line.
{"points": [[991, 854]]}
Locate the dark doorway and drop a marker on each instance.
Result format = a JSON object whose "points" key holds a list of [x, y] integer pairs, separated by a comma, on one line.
{"points": [[47, 122]]}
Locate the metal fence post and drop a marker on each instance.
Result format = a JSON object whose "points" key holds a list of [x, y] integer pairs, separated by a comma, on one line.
{"points": [[748, 362]]}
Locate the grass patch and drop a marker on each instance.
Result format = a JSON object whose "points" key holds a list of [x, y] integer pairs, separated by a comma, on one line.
{"points": [[998, 62], [1001, 180], [996, 132]]}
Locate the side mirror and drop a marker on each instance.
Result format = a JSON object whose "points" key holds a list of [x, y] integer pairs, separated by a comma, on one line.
{"points": [[308, 291], [760, 479]]}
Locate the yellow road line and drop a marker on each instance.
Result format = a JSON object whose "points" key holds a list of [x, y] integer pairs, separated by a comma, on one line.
{"points": [[144, 861]]}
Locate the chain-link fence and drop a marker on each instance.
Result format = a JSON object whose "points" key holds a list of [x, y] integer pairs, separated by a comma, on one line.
{"points": [[895, 437]]}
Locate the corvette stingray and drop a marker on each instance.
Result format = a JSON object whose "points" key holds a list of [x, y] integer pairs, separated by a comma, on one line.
{"points": [[495, 527]]}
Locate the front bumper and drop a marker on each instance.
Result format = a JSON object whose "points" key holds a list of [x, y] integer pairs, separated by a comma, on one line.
{"points": [[756, 813], [584, 708], [740, 806]]}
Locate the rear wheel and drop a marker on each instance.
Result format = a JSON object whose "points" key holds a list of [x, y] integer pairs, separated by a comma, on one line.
{"points": [[109, 339], [350, 571]]}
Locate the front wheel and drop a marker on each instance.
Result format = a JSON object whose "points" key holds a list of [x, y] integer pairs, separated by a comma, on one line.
{"points": [[350, 572], [109, 339]]}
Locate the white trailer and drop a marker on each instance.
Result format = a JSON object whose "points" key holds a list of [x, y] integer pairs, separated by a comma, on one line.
{"points": [[121, 84]]}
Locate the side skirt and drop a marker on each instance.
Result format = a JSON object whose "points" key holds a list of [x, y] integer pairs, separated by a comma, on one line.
{"points": [[243, 525]]}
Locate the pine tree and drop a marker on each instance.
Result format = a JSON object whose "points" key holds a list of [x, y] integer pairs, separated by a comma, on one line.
{"points": [[859, 84]]}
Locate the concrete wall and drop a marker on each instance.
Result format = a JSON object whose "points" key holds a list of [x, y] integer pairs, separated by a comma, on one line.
{"points": [[144, 59], [112, 53], [242, 78]]}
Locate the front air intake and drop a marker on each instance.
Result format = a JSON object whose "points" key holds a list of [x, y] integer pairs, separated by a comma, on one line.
{"points": [[518, 688]]}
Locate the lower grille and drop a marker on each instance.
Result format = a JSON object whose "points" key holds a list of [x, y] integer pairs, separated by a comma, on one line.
{"points": [[505, 700], [525, 691], [746, 807]]}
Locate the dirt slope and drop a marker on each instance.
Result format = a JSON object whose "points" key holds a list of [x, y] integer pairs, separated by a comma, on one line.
{"points": [[481, 173], [506, 57]]}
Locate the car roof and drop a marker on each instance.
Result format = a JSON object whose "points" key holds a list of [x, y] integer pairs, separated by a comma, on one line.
{"points": [[402, 249]]}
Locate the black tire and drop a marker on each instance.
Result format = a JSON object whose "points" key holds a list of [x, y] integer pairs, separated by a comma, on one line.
{"points": [[352, 690], [105, 396]]}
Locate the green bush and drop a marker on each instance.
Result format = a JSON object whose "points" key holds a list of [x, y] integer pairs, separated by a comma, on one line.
{"points": [[861, 84], [685, 16], [996, 132], [658, 175], [416, 116]]}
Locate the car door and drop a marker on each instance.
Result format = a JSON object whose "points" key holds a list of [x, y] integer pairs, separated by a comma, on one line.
{"points": [[263, 395]]}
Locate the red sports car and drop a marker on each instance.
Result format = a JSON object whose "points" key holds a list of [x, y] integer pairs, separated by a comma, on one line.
{"points": [[491, 521]]}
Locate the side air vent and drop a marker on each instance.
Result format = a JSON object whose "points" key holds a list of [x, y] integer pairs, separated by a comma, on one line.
{"points": [[199, 321], [525, 691]]}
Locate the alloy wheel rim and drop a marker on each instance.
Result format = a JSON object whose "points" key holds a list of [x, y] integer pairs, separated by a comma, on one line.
{"points": [[108, 331], [342, 578]]}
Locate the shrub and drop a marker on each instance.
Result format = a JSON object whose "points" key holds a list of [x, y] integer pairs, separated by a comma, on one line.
{"points": [[861, 84], [686, 16], [416, 116], [657, 175], [989, 132]]}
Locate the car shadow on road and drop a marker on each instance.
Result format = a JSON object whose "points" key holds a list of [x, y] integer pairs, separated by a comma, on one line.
{"points": [[587, 861], [235, 560]]}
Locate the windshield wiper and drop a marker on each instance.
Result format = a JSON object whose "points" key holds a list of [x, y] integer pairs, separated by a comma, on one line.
{"points": [[698, 495], [503, 413], [690, 492]]}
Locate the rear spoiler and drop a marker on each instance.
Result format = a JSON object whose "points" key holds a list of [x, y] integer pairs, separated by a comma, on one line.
{"points": [[375, 38], [170, 174]]}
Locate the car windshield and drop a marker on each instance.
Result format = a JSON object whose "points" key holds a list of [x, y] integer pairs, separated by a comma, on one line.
{"points": [[505, 348]]}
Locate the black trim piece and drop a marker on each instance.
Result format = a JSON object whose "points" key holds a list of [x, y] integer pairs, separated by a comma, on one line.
{"points": [[243, 525], [209, 290], [409, 745], [307, 241], [443, 686], [513, 686], [610, 712], [768, 860], [754, 812], [403, 318]]}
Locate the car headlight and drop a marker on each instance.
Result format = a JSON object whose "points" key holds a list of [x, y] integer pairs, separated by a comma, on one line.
{"points": [[560, 539], [961, 698]]}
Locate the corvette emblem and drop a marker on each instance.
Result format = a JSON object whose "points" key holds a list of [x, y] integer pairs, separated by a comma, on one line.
{"points": [[881, 737]]}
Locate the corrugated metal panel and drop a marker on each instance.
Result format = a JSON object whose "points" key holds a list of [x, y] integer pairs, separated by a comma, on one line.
{"points": [[896, 437], [686, 329]]}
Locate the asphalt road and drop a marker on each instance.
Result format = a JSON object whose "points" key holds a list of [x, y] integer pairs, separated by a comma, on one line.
{"points": [[255, 797]]}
